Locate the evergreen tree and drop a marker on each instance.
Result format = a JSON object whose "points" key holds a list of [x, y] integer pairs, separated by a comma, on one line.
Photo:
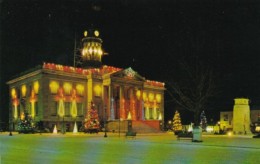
{"points": [[25, 124], [203, 121], [91, 120], [177, 126]]}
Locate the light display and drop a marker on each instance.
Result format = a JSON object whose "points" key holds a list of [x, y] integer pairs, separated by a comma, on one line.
{"points": [[97, 90], [91, 120], [25, 124], [80, 89], [32, 100], [36, 86], [23, 89], [61, 108], [177, 126], [54, 86], [73, 104], [95, 71], [203, 121], [67, 88]]}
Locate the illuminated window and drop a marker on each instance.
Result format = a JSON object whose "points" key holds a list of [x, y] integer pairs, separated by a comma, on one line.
{"points": [[97, 90], [54, 86], [23, 89], [158, 98], [67, 88], [151, 97], [80, 89], [13, 93], [144, 95], [36, 87]]}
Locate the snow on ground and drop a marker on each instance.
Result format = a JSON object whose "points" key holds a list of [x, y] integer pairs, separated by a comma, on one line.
{"points": [[146, 148]]}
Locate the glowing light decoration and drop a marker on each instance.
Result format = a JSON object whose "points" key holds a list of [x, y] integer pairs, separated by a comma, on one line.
{"points": [[160, 116], [23, 88], [177, 126], [15, 104], [96, 33], [32, 100], [54, 86], [154, 110], [73, 104], [190, 129], [129, 116], [75, 129], [92, 46], [13, 93], [210, 129], [55, 130], [61, 108], [100, 71], [154, 83], [22, 116], [36, 87]]}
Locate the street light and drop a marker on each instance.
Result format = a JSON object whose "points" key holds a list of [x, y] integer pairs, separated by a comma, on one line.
{"points": [[105, 126]]}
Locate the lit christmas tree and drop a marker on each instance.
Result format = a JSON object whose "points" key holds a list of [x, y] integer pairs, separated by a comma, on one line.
{"points": [[25, 124], [92, 124], [177, 126], [203, 121]]}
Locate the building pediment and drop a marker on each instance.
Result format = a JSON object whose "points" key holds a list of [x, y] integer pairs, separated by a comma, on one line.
{"points": [[128, 73]]}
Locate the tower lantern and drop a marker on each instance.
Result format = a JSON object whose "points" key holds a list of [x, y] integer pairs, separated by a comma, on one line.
{"points": [[92, 49]]}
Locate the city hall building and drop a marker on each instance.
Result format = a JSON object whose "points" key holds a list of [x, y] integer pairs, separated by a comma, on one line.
{"points": [[58, 94]]}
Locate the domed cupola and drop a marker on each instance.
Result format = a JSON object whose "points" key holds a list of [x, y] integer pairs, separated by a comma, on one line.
{"points": [[92, 49]]}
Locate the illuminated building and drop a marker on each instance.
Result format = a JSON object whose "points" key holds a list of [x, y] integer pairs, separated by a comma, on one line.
{"points": [[57, 94]]}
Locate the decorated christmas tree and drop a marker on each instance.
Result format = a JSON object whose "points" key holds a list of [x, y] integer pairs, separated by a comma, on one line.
{"points": [[203, 121], [91, 120], [25, 124], [177, 126]]}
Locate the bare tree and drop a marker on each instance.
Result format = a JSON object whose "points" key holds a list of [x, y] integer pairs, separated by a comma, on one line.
{"points": [[194, 88]]}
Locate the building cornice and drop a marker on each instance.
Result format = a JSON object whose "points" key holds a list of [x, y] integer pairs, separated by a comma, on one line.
{"points": [[26, 76]]}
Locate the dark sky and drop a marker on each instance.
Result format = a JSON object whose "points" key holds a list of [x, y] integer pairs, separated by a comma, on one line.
{"points": [[150, 36]]}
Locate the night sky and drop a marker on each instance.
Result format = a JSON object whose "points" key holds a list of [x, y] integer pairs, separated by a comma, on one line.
{"points": [[149, 36]]}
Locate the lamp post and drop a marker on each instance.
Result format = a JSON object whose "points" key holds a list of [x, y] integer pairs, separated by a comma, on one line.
{"points": [[63, 129], [105, 124], [10, 133]]}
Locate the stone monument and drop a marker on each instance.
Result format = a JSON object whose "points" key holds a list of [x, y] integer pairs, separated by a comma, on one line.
{"points": [[241, 116]]}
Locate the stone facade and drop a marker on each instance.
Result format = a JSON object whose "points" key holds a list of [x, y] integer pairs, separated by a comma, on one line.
{"points": [[57, 94]]}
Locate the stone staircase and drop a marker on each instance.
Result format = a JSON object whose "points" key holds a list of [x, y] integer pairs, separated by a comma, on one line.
{"points": [[146, 126]]}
